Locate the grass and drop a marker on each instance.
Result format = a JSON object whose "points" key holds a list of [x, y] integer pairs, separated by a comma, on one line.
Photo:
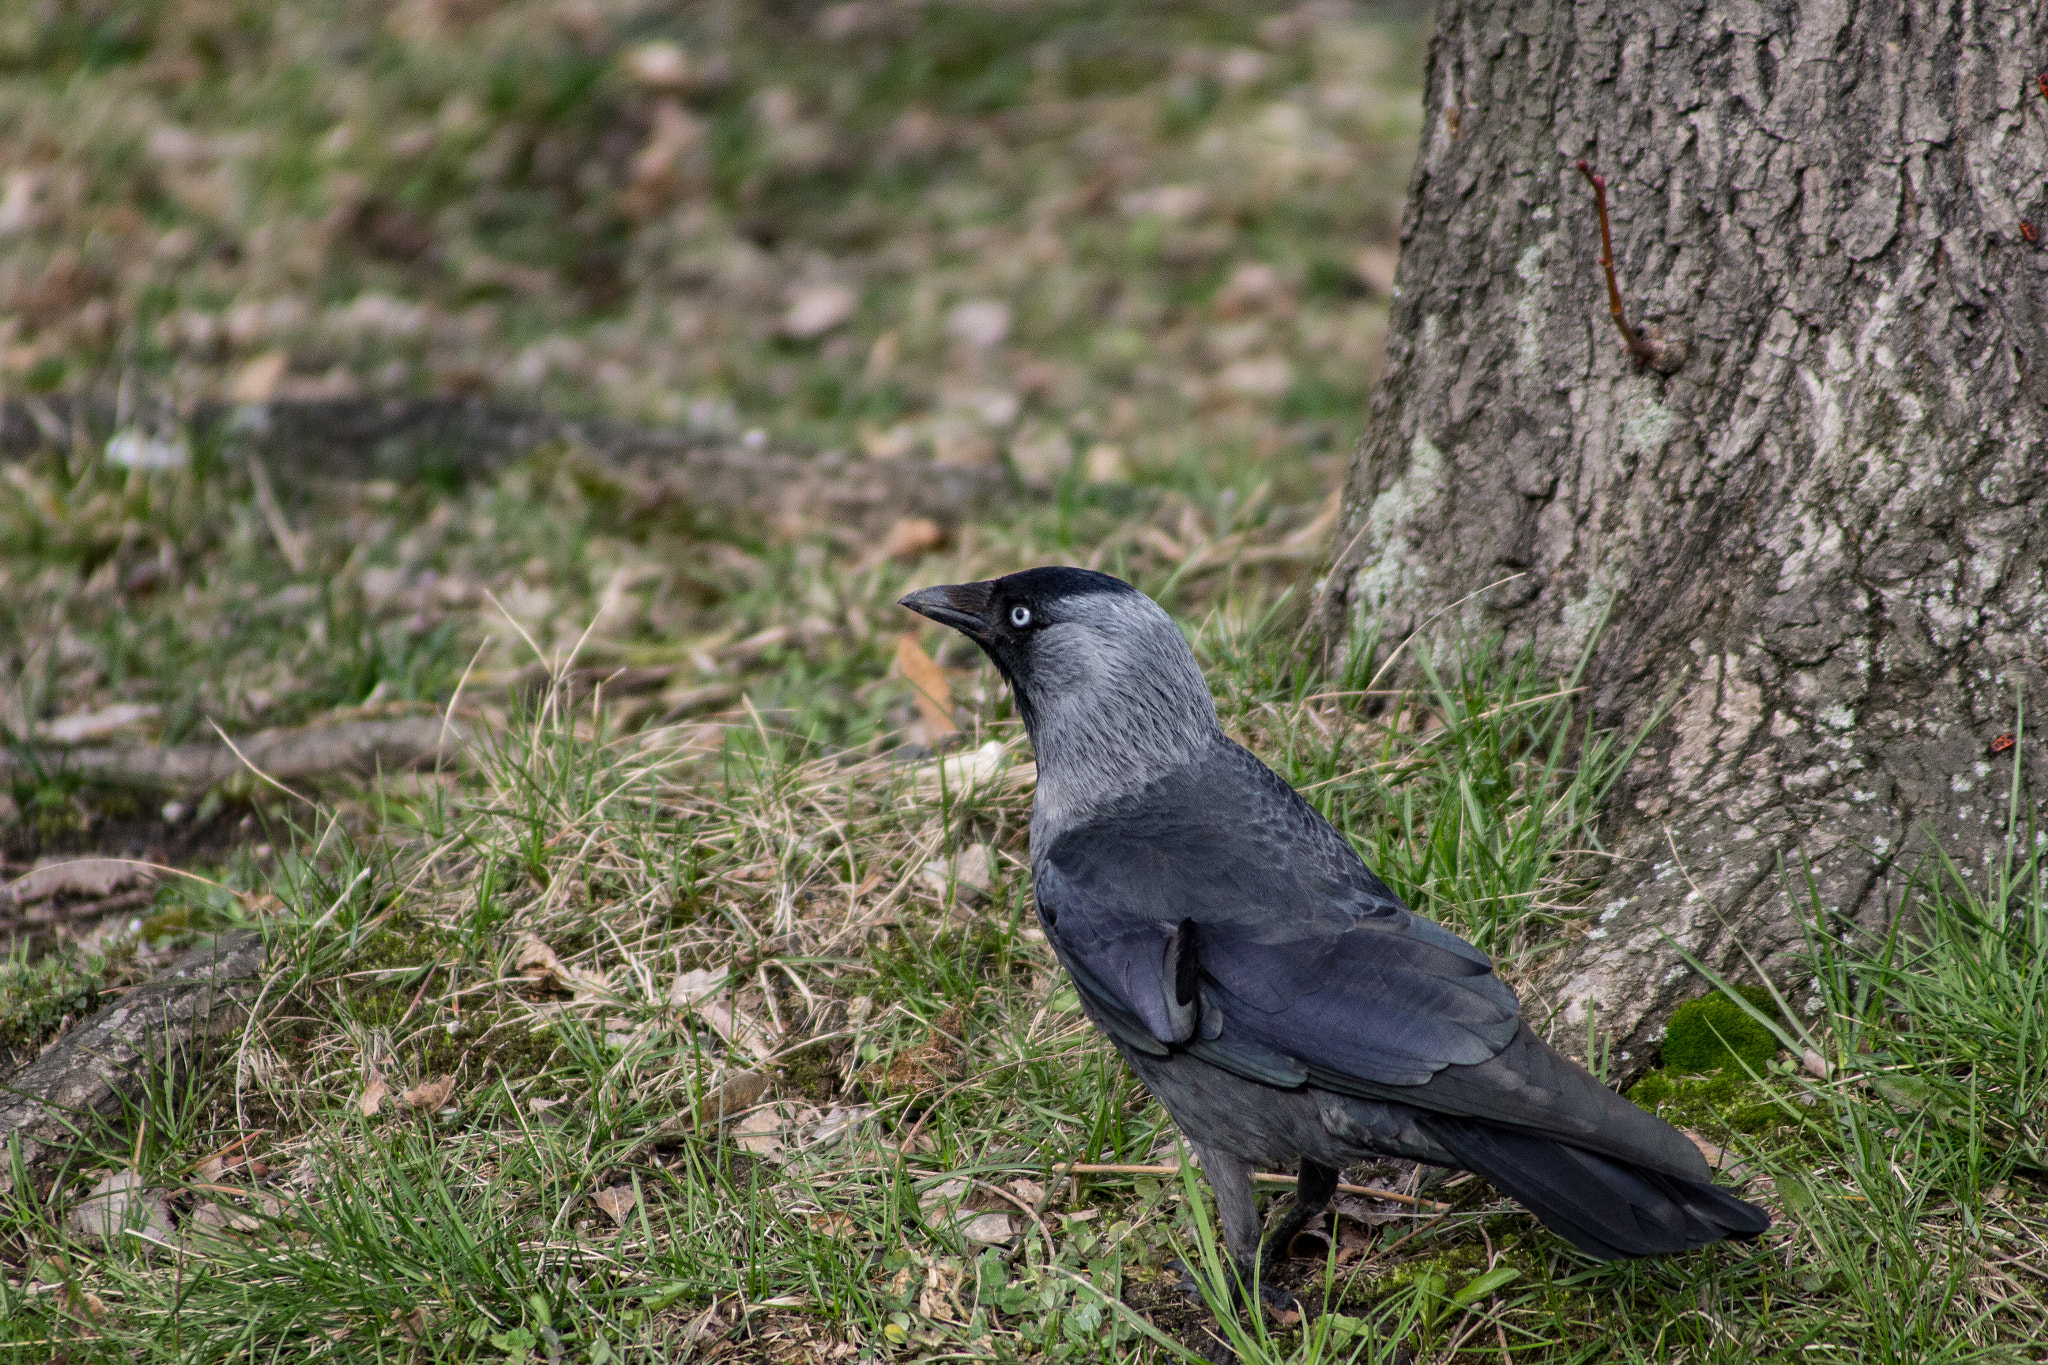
{"points": [[702, 1014], [1173, 222], [576, 1188]]}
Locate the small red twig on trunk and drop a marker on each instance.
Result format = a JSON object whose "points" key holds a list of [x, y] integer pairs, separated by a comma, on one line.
{"points": [[1659, 358]]}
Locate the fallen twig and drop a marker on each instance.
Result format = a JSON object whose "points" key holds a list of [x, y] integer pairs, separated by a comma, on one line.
{"points": [[92, 1071], [1094, 1168], [282, 755], [661, 474]]}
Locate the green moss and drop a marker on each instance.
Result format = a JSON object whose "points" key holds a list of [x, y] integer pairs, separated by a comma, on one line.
{"points": [[166, 924], [1723, 1101], [813, 1072], [1714, 1031], [35, 997]]}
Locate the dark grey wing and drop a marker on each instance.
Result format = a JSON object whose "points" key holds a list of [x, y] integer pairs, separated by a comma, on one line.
{"points": [[1309, 971], [1307, 962]]}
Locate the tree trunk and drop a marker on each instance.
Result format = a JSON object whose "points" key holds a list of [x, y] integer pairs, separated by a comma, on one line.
{"points": [[1820, 539]]}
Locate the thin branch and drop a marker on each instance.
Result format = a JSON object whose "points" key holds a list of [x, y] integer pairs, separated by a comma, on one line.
{"points": [[1096, 1168], [1663, 359]]}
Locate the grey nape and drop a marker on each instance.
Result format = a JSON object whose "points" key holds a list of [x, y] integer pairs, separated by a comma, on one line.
{"points": [[1268, 988]]}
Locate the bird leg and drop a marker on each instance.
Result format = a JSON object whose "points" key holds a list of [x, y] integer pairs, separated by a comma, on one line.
{"points": [[1312, 1193], [1231, 1178]]}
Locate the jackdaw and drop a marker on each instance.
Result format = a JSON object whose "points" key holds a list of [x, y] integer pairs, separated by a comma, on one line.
{"points": [[1262, 981]]}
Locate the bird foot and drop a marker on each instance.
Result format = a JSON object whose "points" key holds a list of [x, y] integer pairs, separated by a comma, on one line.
{"points": [[1282, 1304]]}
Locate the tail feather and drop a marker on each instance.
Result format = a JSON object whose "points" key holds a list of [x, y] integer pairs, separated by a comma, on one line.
{"points": [[1604, 1207]]}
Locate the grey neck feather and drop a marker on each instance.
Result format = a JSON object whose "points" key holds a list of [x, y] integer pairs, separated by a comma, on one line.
{"points": [[1117, 702]]}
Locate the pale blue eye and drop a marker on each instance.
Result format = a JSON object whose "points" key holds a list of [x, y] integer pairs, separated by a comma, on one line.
{"points": [[1020, 617]]}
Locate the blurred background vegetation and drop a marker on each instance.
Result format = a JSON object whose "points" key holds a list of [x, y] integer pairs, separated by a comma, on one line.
{"points": [[1133, 257], [982, 230]]}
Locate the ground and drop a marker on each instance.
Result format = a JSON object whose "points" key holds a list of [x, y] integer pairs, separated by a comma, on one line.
{"points": [[692, 1006]]}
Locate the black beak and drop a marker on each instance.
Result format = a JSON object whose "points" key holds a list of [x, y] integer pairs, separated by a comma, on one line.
{"points": [[963, 606]]}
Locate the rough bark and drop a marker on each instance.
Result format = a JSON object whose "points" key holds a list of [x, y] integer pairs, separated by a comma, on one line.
{"points": [[1821, 539], [107, 1060]]}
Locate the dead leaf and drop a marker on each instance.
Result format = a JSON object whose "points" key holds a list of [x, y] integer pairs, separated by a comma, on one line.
{"points": [[587, 986], [892, 444], [659, 169], [818, 308], [939, 1299], [221, 1217], [990, 1228], [1719, 1158], [1252, 287], [1370, 1213], [980, 323], [429, 1094], [1043, 457], [659, 65], [85, 877], [837, 1122], [256, 382], [90, 727], [758, 1131], [1352, 1243], [1257, 377], [699, 983], [967, 875], [618, 1202], [928, 685], [695, 990], [738, 1093], [910, 536], [1106, 464], [232, 1160], [706, 1326], [537, 962], [118, 1203]]}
